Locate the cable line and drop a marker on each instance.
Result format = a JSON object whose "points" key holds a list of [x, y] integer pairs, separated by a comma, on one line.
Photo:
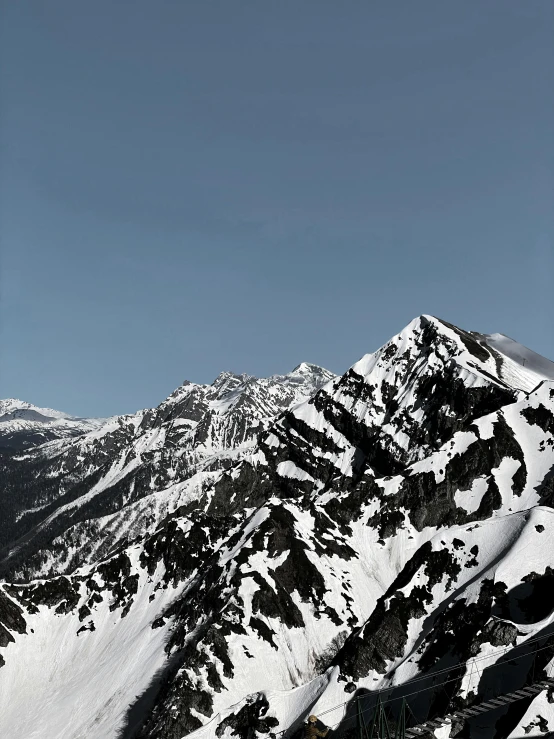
{"points": [[379, 718]]}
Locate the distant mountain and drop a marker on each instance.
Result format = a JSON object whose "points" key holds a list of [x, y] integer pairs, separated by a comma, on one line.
{"points": [[70, 501], [254, 551], [23, 425]]}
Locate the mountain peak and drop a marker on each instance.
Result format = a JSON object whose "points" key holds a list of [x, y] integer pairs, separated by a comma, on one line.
{"points": [[227, 381], [20, 407], [434, 340], [24, 425], [306, 368]]}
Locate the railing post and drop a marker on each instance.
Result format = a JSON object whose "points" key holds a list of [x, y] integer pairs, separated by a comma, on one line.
{"points": [[401, 726]]}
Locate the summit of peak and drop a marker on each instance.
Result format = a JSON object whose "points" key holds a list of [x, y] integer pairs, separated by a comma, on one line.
{"points": [[226, 378], [437, 342], [16, 406], [306, 373], [305, 368]]}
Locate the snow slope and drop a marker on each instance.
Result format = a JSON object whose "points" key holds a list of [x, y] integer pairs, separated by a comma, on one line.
{"points": [[532, 363]]}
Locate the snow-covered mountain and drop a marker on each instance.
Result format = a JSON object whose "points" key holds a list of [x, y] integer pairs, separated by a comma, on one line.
{"points": [[80, 498], [287, 556], [23, 425]]}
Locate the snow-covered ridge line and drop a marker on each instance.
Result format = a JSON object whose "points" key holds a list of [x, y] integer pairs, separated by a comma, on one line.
{"points": [[23, 425], [18, 408]]}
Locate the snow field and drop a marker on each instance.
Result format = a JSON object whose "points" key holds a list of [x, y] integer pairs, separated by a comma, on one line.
{"points": [[78, 687]]}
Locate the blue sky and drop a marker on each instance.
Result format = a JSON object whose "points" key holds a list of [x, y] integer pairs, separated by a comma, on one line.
{"points": [[190, 187]]}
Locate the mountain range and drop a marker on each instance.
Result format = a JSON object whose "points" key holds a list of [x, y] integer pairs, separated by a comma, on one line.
{"points": [[23, 425], [256, 550]]}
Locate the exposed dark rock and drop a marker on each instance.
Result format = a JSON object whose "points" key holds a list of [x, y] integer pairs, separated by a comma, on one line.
{"points": [[11, 615], [384, 636], [263, 630], [84, 612], [276, 604], [250, 720], [540, 416], [60, 592]]}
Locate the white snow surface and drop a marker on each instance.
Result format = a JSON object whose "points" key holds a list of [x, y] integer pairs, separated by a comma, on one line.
{"points": [[79, 686], [20, 408], [528, 360]]}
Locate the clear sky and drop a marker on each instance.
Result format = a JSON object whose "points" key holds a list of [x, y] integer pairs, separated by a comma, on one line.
{"points": [[188, 186]]}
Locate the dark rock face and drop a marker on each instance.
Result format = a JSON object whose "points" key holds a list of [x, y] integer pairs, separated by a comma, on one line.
{"points": [[532, 600], [384, 635], [59, 593], [11, 619], [432, 504], [250, 718]]}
